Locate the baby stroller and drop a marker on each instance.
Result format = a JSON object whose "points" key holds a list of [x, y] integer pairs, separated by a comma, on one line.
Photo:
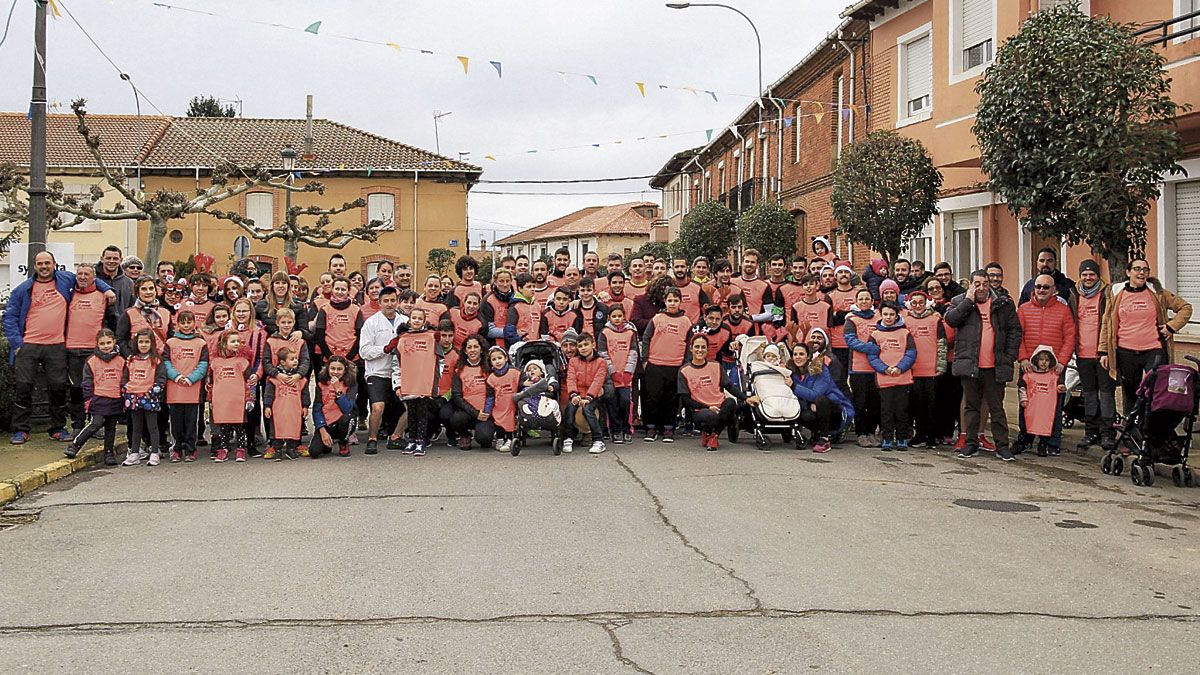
{"points": [[779, 411], [1167, 396], [533, 420], [1072, 410]]}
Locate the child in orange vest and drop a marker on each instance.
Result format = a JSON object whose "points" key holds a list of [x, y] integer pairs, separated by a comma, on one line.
{"points": [[145, 380], [101, 384], [587, 375], [502, 385], [231, 394], [618, 344], [893, 361], [333, 407], [186, 362], [415, 374], [285, 400], [1038, 392]]}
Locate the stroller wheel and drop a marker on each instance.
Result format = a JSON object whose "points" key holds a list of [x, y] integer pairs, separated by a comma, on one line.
{"points": [[1135, 473], [761, 441], [1189, 479], [1118, 465], [1148, 474], [557, 445], [516, 449], [1106, 464], [1177, 476]]}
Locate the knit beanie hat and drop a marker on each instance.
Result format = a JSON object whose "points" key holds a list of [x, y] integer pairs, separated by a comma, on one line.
{"points": [[570, 336], [536, 364], [1089, 265], [889, 285], [131, 260]]}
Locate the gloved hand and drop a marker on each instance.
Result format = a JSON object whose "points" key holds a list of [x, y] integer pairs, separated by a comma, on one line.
{"points": [[391, 345]]}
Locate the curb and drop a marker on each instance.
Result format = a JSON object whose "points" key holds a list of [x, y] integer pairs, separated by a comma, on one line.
{"points": [[22, 484]]}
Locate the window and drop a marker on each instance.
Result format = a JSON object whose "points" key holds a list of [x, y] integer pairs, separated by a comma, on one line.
{"points": [[543, 255], [750, 163], [1183, 7], [921, 247], [916, 79], [1187, 240], [583, 248], [965, 239], [973, 37], [381, 206], [82, 192], [241, 246], [628, 251], [796, 135], [260, 207], [706, 187], [841, 102]]}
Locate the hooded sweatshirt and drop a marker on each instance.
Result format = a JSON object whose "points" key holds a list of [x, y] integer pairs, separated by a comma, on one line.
{"points": [[619, 345], [1038, 393]]}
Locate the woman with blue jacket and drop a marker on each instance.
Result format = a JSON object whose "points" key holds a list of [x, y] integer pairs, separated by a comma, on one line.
{"points": [[825, 409]]}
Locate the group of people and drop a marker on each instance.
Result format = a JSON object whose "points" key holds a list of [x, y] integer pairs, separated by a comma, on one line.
{"points": [[268, 368]]}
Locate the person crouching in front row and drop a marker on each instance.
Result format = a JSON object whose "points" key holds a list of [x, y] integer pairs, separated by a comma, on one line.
{"points": [[702, 386]]}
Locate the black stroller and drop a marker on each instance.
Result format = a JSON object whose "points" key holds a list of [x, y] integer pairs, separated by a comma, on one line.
{"points": [[1166, 397], [556, 368]]}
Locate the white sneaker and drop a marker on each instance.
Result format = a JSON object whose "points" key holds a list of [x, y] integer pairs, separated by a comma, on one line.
{"points": [[504, 446], [597, 448], [153, 461], [143, 455], [568, 445], [132, 459]]}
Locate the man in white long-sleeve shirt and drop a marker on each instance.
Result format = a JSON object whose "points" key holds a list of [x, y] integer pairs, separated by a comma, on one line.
{"points": [[376, 344]]}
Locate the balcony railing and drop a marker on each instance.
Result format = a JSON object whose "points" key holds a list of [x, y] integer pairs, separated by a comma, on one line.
{"points": [[1161, 32], [743, 196]]}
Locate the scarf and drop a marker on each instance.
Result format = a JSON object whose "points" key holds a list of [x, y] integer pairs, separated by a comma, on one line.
{"points": [[1090, 292], [147, 310]]}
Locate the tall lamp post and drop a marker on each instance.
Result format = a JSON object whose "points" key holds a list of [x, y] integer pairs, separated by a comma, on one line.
{"points": [[37, 141], [289, 166]]}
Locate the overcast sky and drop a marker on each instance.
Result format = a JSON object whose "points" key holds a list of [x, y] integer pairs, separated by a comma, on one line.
{"points": [[173, 55]]}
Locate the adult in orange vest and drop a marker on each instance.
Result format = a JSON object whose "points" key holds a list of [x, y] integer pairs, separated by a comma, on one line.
{"points": [[702, 387], [1090, 299], [468, 396]]}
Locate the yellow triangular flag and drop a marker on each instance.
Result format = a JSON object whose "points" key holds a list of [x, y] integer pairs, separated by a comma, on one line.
{"points": [[464, 60], [491, 157], [820, 114], [395, 46], [54, 9], [642, 88]]}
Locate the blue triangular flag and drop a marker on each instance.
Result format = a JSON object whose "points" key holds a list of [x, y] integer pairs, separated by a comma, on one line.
{"points": [[787, 122], [313, 27], [496, 65]]}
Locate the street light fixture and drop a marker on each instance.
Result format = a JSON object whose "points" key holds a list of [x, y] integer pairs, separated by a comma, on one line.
{"points": [[757, 39], [289, 166]]}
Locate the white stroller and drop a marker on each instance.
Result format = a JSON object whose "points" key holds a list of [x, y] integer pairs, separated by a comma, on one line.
{"points": [[779, 411]]}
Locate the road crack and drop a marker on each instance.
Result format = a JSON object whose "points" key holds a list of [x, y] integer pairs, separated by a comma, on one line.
{"points": [[662, 516], [610, 627]]}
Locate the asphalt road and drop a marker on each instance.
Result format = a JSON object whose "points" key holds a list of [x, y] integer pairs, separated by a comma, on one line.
{"points": [[647, 559]]}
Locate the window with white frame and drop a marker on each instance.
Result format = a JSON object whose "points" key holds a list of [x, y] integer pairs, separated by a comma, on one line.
{"points": [[916, 77], [1183, 7], [965, 239], [81, 192], [974, 36], [841, 103], [381, 206], [750, 163], [260, 207], [796, 135], [1187, 240], [706, 187], [920, 247]]}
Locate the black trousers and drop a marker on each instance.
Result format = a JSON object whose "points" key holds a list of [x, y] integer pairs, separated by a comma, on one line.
{"points": [[1099, 395], [711, 422], [52, 360], [422, 418], [459, 422], [145, 424], [184, 422], [591, 414], [338, 433], [893, 409], [662, 396], [843, 357], [76, 358], [947, 398], [866, 402], [618, 409], [922, 401], [819, 417], [94, 425], [1131, 366]]}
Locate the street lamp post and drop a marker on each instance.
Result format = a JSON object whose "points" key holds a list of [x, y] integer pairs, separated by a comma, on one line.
{"points": [[757, 39], [289, 166]]}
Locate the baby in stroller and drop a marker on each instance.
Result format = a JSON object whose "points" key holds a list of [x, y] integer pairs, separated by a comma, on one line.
{"points": [[767, 376], [537, 401]]}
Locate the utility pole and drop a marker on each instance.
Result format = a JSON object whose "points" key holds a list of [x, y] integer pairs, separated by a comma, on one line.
{"points": [[37, 141]]}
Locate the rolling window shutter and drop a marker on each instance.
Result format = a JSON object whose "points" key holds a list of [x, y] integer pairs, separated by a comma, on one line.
{"points": [[976, 22], [918, 71], [964, 220], [1047, 4], [1187, 240]]}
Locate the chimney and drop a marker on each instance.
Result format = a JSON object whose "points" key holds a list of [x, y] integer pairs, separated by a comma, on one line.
{"points": [[308, 155]]}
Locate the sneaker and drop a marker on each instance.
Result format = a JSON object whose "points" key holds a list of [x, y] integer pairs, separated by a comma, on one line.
{"points": [[190, 457], [1019, 447], [668, 436], [221, 456], [821, 446], [968, 451], [344, 450], [372, 447], [290, 454], [618, 438], [505, 445], [132, 459], [395, 444], [143, 455], [886, 446], [960, 443], [1041, 450], [651, 436], [253, 452], [986, 444], [409, 448], [110, 458], [71, 451], [60, 435], [302, 450], [1088, 441], [176, 457], [628, 437], [154, 459], [568, 445], [270, 454], [239, 455], [1054, 452], [1004, 453], [597, 448], [902, 445], [419, 449]]}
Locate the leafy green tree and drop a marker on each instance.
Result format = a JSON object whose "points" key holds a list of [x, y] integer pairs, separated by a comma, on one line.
{"points": [[439, 260], [657, 249], [707, 230], [885, 191], [1076, 126], [209, 106], [486, 261], [768, 227]]}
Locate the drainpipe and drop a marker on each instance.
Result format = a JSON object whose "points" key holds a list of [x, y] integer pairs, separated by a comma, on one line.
{"points": [[196, 236], [849, 51], [778, 153], [416, 177]]}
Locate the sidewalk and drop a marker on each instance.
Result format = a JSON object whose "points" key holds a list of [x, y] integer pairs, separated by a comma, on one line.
{"points": [[24, 468]]}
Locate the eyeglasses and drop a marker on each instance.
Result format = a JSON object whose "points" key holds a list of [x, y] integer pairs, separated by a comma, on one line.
{"points": [[1043, 287], [133, 267], [1139, 269]]}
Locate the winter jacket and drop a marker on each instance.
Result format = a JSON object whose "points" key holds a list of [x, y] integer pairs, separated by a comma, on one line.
{"points": [[811, 388], [1164, 300], [586, 377], [874, 275], [104, 406], [261, 312], [1052, 324], [18, 307], [964, 318], [1063, 288]]}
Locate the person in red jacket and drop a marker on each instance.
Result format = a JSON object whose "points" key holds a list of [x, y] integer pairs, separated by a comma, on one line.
{"points": [[587, 374], [1045, 320]]}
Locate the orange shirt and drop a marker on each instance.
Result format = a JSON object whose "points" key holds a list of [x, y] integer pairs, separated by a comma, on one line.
{"points": [[987, 336], [85, 318], [46, 322], [1089, 326], [1137, 321]]}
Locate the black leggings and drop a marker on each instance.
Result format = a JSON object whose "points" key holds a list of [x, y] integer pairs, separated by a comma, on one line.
{"points": [[422, 418], [144, 421], [821, 420], [1131, 366], [460, 422], [94, 425], [866, 402], [339, 431], [662, 395], [893, 406], [923, 399], [711, 422]]}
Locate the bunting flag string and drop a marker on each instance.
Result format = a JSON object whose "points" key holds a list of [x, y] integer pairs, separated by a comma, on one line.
{"points": [[314, 28]]}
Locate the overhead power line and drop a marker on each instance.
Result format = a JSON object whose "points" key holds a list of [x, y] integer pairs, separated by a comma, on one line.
{"points": [[569, 180]]}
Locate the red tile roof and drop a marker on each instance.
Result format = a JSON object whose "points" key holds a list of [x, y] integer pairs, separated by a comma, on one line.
{"points": [[184, 142], [600, 220]]}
